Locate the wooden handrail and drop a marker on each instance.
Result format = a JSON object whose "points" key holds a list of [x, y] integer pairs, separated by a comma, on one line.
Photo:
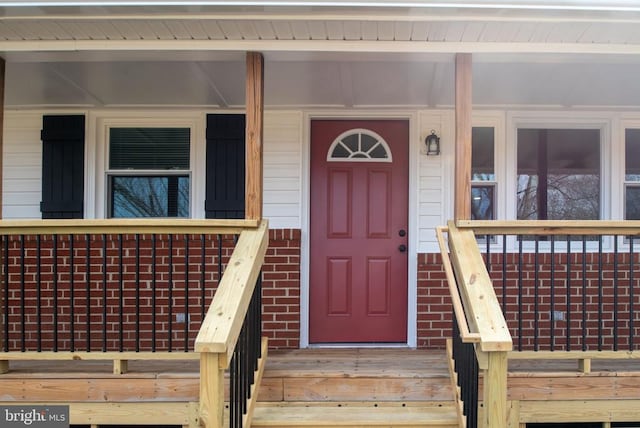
{"points": [[483, 313], [125, 226], [223, 321], [477, 293], [465, 333], [551, 227], [221, 327]]}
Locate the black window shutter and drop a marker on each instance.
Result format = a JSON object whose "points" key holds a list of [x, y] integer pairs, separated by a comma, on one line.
{"points": [[62, 167], [225, 166]]}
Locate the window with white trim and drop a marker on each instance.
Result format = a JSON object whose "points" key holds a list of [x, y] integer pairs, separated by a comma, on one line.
{"points": [[149, 172], [483, 176], [632, 174], [558, 174]]}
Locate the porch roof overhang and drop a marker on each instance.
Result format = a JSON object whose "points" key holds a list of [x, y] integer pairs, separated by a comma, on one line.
{"points": [[320, 53]]}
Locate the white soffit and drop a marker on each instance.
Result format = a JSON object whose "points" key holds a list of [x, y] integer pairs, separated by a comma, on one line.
{"points": [[566, 26]]}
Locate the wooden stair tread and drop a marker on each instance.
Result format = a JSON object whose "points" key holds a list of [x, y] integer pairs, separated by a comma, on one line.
{"points": [[353, 363], [356, 416]]}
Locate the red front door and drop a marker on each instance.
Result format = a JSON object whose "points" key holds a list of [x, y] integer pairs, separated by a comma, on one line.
{"points": [[358, 270]]}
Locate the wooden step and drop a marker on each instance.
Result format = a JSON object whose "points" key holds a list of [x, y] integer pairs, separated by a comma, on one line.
{"points": [[356, 375], [355, 415]]}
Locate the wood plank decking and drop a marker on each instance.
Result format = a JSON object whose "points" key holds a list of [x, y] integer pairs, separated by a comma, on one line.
{"points": [[331, 387]]}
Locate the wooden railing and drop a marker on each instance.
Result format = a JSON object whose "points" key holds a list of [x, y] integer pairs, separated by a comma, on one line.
{"points": [[481, 325], [221, 330], [560, 289], [138, 290]]}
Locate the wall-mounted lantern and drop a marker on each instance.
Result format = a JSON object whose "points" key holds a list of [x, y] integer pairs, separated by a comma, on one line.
{"points": [[433, 144]]}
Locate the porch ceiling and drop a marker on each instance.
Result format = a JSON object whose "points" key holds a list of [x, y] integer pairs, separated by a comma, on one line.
{"points": [[320, 55]]}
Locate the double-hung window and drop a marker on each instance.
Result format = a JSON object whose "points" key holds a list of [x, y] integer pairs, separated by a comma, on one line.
{"points": [[483, 176], [149, 172]]}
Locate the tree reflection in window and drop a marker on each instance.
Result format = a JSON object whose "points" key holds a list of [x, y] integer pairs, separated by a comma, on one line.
{"points": [[558, 174], [150, 196], [632, 174]]}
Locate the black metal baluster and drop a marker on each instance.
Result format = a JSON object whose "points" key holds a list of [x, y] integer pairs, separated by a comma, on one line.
{"points": [[71, 293], [219, 258], [615, 292], [55, 293], [233, 385], [553, 293], [153, 293], [88, 289], [186, 293], [488, 252], [170, 292], [600, 338], [584, 293], [5, 242], [203, 266], [568, 311], [121, 296], [104, 293], [536, 292], [504, 275], [23, 316], [137, 292], [520, 294], [39, 290]]}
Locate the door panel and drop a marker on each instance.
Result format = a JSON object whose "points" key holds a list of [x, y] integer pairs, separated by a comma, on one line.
{"points": [[358, 274]]}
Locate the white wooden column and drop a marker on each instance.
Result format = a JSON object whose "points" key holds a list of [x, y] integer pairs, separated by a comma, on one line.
{"points": [[462, 188]]}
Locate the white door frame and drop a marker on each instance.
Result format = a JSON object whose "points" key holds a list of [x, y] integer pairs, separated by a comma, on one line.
{"points": [[305, 248]]}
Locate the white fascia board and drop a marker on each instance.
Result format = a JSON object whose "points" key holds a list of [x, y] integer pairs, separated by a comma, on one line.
{"points": [[608, 5]]}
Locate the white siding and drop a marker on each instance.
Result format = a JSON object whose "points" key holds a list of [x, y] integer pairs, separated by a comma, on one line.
{"points": [[22, 158], [435, 177], [283, 168], [283, 142]]}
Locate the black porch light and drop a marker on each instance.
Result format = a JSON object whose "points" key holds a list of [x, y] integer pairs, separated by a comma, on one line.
{"points": [[433, 144]]}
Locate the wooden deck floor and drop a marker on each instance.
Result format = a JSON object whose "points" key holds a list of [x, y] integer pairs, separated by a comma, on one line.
{"points": [[544, 390]]}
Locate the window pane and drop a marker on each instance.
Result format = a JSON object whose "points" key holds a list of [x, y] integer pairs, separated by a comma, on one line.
{"points": [[482, 154], [150, 196], [367, 142], [632, 203], [558, 174], [149, 148], [632, 155], [482, 203]]}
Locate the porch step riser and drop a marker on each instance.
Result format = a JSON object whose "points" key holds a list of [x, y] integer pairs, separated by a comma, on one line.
{"points": [[355, 389], [293, 416]]}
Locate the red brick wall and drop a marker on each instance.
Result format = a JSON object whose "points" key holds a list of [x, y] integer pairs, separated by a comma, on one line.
{"points": [[281, 289], [281, 292], [434, 303], [601, 316]]}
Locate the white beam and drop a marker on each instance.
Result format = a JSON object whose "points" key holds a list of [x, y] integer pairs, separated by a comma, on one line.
{"points": [[317, 46]]}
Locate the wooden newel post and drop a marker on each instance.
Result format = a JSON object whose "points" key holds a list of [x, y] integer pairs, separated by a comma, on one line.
{"points": [[495, 391], [211, 391], [254, 149]]}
